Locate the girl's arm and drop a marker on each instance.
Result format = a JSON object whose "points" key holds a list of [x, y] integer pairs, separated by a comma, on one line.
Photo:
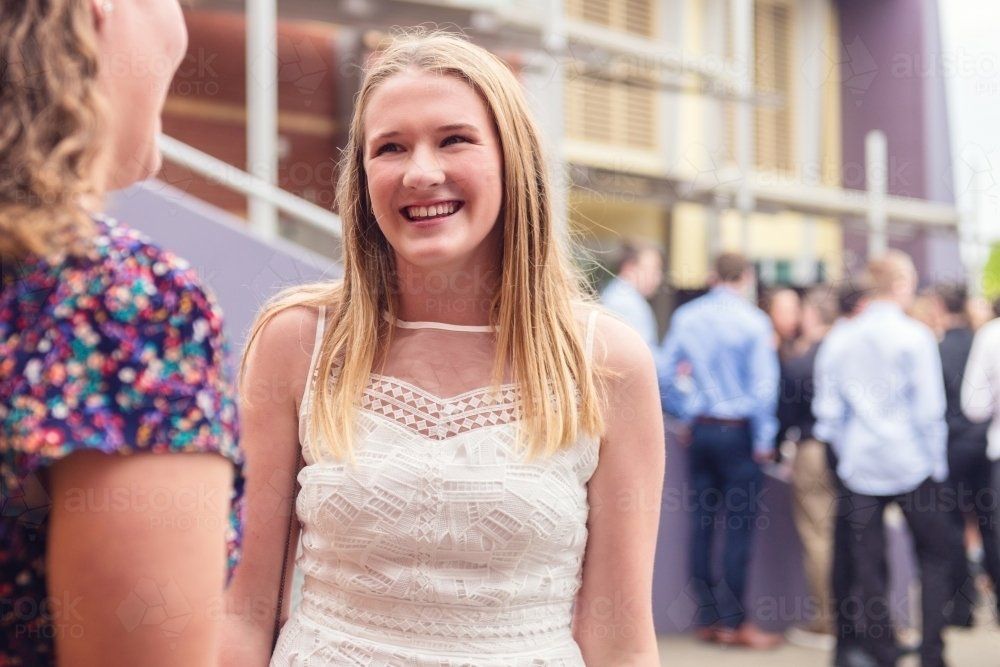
{"points": [[613, 620], [270, 394]]}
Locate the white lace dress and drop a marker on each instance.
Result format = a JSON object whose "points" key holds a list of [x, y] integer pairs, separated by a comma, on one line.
{"points": [[441, 547]]}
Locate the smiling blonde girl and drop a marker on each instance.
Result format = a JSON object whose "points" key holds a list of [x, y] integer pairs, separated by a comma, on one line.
{"points": [[482, 447]]}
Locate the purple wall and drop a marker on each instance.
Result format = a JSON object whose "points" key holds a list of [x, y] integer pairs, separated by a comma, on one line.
{"points": [[893, 80], [242, 271], [882, 41]]}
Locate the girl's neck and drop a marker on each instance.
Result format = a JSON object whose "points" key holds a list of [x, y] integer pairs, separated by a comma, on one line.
{"points": [[463, 297]]}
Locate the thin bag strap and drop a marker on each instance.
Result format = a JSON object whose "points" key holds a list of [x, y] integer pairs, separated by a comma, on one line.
{"points": [[284, 556], [304, 407]]}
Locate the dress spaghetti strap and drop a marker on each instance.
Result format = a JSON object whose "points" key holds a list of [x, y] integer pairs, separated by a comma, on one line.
{"points": [[305, 409]]}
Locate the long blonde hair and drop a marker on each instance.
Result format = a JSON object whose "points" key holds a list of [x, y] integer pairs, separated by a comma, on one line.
{"points": [[50, 136], [539, 288]]}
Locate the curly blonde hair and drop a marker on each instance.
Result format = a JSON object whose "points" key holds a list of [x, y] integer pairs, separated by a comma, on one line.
{"points": [[50, 138]]}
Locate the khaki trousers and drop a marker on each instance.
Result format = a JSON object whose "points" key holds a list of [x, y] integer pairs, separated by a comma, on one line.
{"points": [[813, 509]]}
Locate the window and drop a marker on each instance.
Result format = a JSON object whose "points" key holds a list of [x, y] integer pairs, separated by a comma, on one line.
{"points": [[637, 17], [773, 77], [611, 112]]}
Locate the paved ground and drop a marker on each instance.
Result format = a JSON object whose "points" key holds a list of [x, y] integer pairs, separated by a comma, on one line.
{"points": [[979, 647]]}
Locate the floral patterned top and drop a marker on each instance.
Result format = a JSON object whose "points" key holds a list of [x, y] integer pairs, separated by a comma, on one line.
{"points": [[120, 351]]}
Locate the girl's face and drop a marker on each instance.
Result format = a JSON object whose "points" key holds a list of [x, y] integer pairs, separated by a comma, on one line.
{"points": [[142, 43], [434, 168]]}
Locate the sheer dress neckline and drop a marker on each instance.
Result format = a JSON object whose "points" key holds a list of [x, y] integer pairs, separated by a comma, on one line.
{"points": [[437, 408], [468, 328]]}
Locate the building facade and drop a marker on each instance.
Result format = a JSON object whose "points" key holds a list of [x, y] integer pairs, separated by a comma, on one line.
{"points": [[700, 125]]}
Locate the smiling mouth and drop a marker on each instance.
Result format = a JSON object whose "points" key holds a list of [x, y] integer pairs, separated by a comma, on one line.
{"points": [[433, 212]]}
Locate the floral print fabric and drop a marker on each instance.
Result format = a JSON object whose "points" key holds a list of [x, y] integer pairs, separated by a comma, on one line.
{"points": [[119, 350]]}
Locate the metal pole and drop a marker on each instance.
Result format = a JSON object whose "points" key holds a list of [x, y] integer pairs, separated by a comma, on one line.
{"points": [[876, 176], [805, 264], [224, 173], [262, 108], [809, 100], [743, 51]]}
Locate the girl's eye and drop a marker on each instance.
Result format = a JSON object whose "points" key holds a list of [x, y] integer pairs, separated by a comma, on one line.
{"points": [[385, 148], [455, 138]]}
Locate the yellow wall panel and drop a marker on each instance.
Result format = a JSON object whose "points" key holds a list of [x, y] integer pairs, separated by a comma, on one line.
{"points": [[832, 157], [602, 221], [688, 243], [690, 130]]}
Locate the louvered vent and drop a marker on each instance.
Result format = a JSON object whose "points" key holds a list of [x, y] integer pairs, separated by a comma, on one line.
{"points": [[774, 113], [637, 17], [773, 40], [611, 112]]}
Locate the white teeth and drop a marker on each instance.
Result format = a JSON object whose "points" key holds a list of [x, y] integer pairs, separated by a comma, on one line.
{"points": [[416, 212]]}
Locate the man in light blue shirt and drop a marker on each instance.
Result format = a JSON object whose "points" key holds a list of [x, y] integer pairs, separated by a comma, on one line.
{"points": [[719, 359], [719, 375], [639, 275], [880, 403]]}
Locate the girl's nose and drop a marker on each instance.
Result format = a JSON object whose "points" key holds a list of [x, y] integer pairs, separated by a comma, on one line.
{"points": [[422, 170]]}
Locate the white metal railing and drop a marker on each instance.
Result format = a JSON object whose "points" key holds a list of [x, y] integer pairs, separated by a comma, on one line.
{"points": [[262, 107], [236, 179]]}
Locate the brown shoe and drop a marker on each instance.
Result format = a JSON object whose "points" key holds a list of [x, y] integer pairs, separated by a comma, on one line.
{"points": [[750, 636], [705, 634], [727, 636]]}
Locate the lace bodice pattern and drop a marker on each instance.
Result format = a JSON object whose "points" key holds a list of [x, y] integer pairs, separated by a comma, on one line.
{"points": [[441, 546]]}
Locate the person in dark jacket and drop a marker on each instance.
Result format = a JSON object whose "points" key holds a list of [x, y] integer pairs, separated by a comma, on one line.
{"points": [[969, 467]]}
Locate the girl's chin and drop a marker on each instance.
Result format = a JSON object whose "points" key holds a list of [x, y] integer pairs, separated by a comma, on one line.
{"points": [[430, 256]]}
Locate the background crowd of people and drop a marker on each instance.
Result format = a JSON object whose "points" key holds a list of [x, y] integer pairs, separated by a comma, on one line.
{"points": [[863, 394]]}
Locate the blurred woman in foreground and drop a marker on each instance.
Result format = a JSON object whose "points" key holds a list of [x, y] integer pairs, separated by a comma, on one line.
{"points": [[110, 358]]}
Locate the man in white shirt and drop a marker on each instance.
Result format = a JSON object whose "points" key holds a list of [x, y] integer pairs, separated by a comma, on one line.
{"points": [[880, 403], [852, 297], [981, 384], [980, 399]]}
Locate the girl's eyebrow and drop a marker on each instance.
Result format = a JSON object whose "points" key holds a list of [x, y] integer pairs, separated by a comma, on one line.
{"points": [[457, 126], [451, 127]]}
